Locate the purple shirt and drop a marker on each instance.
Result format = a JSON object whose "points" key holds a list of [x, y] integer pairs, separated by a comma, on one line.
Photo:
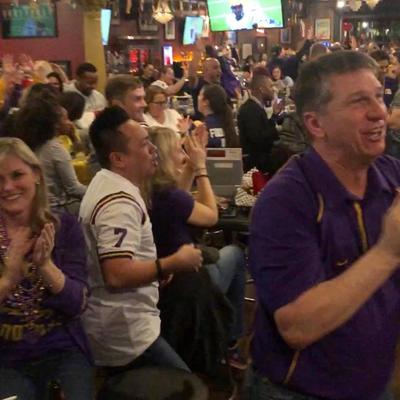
{"points": [[59, 323], [304, 231], [169, 212]]}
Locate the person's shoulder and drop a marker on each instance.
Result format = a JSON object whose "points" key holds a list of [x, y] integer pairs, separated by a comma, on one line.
{"points": [[107, 186], [389, 166], [173, 113], [67, 224], [250, 103], [97, 94], [70, 87], [171, 194], [396, 99], [289, 184]]}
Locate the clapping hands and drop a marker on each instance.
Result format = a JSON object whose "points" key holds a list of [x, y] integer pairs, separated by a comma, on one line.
{"points": [[44, 245]]}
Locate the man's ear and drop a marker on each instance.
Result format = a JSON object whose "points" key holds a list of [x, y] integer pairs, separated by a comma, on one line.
{"points": [[313, 125], [116, 102], [116, 159]]}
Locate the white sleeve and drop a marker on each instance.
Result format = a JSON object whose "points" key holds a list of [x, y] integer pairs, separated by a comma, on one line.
{"points": [[118, 221]]}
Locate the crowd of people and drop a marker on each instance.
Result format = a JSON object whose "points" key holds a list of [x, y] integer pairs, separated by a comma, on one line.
{"points": [[105, 268]]}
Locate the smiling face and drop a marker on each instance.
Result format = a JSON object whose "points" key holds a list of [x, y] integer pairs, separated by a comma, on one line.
{"points": [[139, 160], [133, 103], [87, 82], [352, 126], [17, 186], [158, 105]]}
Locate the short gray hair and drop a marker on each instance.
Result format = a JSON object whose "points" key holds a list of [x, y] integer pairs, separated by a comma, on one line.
{"points": [[312, 90]]}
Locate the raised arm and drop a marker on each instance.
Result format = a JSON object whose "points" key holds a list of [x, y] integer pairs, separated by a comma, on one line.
{"points": [[194, 64]]}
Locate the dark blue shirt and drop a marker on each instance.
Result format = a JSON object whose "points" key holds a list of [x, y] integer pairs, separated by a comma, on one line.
{"points": [[170, 209], [306, 229], [216, 134]]}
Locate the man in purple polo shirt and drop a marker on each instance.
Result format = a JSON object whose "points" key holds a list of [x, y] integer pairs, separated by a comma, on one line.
{"points": [[323, 257]]}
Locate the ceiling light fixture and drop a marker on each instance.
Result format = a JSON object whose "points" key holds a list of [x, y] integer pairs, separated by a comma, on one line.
{"points": [[162, 12]]}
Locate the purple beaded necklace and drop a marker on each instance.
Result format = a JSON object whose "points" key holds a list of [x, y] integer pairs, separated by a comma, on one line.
{"points": [[27, 297]]}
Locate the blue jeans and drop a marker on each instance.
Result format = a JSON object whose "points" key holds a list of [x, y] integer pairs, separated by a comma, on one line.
{"points": [[160, 353], [259, 388], [30, 379], [229, 274]]}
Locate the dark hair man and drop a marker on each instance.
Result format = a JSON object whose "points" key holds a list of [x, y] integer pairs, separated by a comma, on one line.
{"points": [[122, 320], [85, 84], [325, 245], [257, 132]]}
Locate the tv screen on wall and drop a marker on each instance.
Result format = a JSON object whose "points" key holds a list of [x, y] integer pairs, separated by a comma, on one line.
{"points": [[233, 15], [193, 29], [29, 21], [105, 22]]}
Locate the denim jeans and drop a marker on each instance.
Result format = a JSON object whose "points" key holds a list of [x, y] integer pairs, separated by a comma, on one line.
{"points": [[259, 388], [159, 354], [30, 379], [229, 274]]}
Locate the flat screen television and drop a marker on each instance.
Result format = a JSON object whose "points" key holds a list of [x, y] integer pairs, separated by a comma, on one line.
{"points": [[105, 21], [29, 21], [234, 15], [193, 28]]}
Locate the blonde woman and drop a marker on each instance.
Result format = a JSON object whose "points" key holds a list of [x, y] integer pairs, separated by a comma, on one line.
{"points": [[42, 286], [173, 210]]}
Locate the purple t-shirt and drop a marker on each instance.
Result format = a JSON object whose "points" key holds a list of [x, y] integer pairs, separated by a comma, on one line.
{"points": [[304, 231], [58, 326], [169, 212]]}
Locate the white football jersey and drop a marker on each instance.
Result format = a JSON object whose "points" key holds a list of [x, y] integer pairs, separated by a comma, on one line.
{"points": [[120, 324]]}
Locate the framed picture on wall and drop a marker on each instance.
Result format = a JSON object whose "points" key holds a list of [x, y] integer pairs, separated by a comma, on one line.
{"points": [[261, 44], [323, 28], [170, 30], [286, 35], [115, 13], [147, 23], [231, 37]]}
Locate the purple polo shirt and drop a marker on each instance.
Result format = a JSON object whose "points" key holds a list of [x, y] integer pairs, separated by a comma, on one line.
{"points": [[304, 231]]}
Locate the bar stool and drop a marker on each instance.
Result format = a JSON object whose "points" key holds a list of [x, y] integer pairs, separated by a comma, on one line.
{"points": [[153, 383]]}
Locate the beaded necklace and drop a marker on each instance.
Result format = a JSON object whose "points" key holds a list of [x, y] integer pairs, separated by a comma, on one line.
{"points": [[27, 297]]}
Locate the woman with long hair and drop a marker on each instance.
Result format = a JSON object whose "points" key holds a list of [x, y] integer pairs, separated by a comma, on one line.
{"points": [[43, 286], [174, 211], [38, 123], [219, 118]]}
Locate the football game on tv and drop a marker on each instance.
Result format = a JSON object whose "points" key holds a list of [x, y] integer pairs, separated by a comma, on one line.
{"points": [[37, 20], [231, 15]]}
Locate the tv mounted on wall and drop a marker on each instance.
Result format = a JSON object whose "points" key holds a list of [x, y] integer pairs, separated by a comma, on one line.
{"points": [[29, 21], [233, 15], [193, 29], [105, 22]]}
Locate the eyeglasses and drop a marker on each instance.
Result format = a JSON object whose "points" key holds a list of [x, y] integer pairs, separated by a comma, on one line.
{"points": [[160, 103]]}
